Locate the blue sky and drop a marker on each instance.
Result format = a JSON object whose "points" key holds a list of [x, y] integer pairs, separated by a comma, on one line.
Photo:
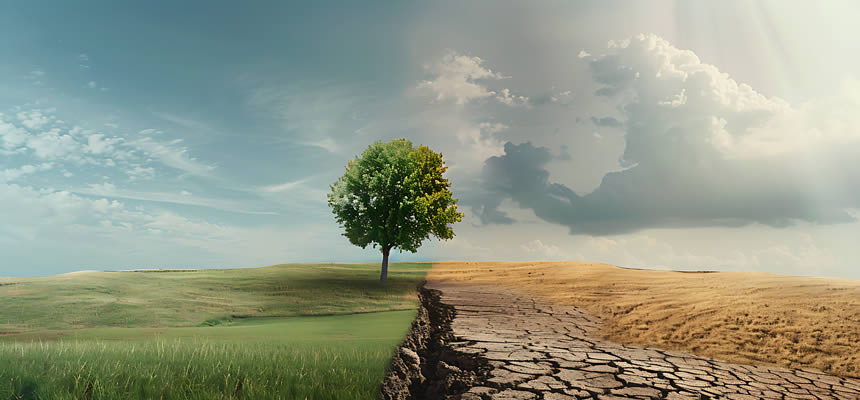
{"points": [[205, 134]]}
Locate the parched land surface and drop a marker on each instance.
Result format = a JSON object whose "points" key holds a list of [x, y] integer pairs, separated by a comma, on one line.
{"points": [[539, 350], [742, 317]]}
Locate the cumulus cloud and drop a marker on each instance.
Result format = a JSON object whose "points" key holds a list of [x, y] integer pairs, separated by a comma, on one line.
{"points": [[552, 96], [38, 133], [459, 78], [505, 96], [28, 212], [11, 136], [11, 174], [35, 119], [479, 140], [97, 143], [137, 171], [53, 144], [701, 150]]}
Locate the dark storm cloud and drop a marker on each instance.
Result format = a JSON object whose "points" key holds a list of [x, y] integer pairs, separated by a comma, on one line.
{"points": [[487, 210], [701, 150], [657, 196]]}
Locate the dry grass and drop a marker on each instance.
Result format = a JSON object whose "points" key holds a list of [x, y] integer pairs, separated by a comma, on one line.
{"points": [[745, 317]]}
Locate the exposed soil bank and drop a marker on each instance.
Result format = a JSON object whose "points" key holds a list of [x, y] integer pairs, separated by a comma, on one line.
{"points": [[426, 367], [539, 350], [743, 317]]}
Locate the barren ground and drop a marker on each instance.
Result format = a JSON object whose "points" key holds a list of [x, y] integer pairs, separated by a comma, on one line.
{"points": [[745, 317]]}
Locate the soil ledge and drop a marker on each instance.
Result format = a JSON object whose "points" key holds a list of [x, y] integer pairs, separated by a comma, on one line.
{"points": [[426, 366]]}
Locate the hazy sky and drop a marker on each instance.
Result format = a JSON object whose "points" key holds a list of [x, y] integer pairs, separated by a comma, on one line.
{"points": [[682, 135]]}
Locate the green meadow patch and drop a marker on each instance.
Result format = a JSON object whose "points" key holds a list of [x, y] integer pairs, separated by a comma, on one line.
{"points": [[282, 332]]}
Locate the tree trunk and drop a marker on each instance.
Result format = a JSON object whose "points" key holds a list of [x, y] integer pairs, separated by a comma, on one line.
{"points": [[383, 276]]}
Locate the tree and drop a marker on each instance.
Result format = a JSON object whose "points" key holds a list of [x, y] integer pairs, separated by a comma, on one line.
{"points": [[394, 196]]}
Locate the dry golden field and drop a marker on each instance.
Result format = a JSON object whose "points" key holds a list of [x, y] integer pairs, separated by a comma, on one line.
{"points": [[746, 317]]}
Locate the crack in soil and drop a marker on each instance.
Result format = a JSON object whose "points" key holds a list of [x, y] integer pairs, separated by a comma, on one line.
{"points": [[474, 342], [426, 367]]}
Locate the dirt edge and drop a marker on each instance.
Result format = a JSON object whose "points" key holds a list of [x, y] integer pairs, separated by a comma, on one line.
{"points": [[425, 366]]}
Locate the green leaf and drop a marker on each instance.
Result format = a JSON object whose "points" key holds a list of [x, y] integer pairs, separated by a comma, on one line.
{"points": [[394, 196]]}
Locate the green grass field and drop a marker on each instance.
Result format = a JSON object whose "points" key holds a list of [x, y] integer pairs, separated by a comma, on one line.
{"points": [[322, 331]]}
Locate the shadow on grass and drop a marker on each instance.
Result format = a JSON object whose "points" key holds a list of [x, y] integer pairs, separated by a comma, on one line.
{"points": [[25, 389]]}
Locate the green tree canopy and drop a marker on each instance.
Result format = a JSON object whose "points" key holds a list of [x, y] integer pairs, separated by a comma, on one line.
{"points": [[394, 196]]}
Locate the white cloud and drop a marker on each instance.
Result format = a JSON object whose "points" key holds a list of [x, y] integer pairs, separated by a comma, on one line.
{"points": [[140, 172], [505, 96], [95, 85], [742, 123], [35, 119], [98, 144], [802, 256], [327, 144], [700, 150], [105, 233], [53, 144], [28, 213], [456, 77], [109, 190], [11, 174], [481, 140], [676, 101], [84, 146], [562, 98], [283, 187], [185, 122], [11, 135], [172, 155], [322, 115], [58, 143], [583, 54], [539, 250]]}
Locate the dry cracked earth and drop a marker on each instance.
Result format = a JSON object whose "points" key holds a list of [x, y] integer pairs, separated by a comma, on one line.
{"points": [[546, 351]]}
